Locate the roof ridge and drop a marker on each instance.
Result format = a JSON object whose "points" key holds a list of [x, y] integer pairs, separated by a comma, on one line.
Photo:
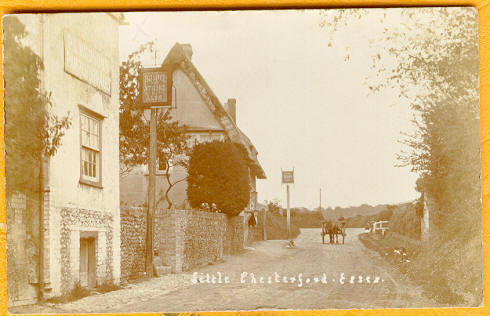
{"points": [[179, 56]]}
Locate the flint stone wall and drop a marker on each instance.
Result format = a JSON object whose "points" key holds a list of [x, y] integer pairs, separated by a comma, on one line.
{"points": [[74, 223], [133, 236], [184, 239]]}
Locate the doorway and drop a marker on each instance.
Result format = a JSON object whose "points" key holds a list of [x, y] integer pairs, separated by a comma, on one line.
{"points": [[87, 262]]}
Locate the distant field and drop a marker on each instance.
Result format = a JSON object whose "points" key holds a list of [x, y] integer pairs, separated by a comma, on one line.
{"points": [[352, 211]]}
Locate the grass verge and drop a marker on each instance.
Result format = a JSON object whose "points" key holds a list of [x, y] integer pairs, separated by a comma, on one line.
{"points": [[433, 266]]}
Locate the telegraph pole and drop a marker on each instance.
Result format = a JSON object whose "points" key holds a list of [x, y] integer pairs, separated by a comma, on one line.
{"points": [[320, 198], [289, 214]]}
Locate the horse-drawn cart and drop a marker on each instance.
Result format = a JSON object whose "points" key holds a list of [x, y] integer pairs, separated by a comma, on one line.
{"points": [[333, 231]]}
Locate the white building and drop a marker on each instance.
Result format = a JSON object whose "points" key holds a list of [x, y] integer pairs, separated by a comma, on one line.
{"points": [[79, 241]]}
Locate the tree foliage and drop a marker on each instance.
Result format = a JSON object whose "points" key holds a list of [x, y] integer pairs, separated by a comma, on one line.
{"points": [[218, 173], [434, 65], [134, 128], [442, 65], [31, 130], [445, 149], [273, 206]]}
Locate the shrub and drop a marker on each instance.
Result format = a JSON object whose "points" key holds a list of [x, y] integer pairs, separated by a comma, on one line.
{"points": [[405, 221], [108, 286], [218, 173], [450, 267], [76, 293]]}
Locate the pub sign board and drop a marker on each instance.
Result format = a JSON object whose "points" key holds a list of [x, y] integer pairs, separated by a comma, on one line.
{"points": [[155, 87], [287, 177]]}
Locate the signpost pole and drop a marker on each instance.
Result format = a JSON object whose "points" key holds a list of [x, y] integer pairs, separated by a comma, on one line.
{"points": [[156, 92], [289, 215], [151, 192], [287, 178]]}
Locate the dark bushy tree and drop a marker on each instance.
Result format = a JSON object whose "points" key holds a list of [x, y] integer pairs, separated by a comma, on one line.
{"points": [[218, 173], [31, 130]]}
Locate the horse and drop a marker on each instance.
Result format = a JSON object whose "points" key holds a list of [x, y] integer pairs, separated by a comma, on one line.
{"points": [[324, 231], [339, 229], [327, 229], [336, 232], [331, 232], [342, 232]]}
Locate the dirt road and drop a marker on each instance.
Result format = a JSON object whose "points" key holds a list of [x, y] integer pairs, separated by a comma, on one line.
{"points": [[309, 276]]}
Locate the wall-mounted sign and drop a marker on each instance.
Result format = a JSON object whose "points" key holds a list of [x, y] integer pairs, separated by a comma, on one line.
{"points": [[86, 63], [287, 177], [156, 87]]}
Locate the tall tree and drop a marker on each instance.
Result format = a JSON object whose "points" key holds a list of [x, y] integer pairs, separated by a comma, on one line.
{"points": [[134, 131], [31, 129]]}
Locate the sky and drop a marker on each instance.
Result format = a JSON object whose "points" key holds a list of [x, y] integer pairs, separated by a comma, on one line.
{"points": [[303, 104]]}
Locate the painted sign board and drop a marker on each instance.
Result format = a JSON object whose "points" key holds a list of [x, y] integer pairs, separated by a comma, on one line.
{"points": [[287, 177], [155, 87], [87, 63]]}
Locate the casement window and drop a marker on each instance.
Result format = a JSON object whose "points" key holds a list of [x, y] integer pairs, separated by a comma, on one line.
{"points": [[161, 166], [90, 149]]}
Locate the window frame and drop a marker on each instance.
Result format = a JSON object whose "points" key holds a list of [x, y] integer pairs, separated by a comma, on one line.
{"points": [[99, 118], [159, 171]]}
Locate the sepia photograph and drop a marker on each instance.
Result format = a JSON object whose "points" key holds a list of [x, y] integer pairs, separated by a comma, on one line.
{"points": [[242, 160]]}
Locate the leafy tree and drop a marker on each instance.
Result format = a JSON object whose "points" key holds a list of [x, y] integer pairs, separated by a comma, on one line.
{"points": [[436, 70], [134, 128], [32, 131], [385, 215], [218, 173], [445, 150], [274, 206]]}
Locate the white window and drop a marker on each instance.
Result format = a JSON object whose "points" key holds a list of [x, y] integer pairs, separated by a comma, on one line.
{"points": [[90, 149]]}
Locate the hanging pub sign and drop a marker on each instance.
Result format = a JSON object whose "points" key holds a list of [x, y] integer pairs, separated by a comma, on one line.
{"points": [[155, 87], [287, 177]]}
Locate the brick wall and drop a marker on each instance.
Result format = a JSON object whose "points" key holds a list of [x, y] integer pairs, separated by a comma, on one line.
{"points": [[22, 218], [62, 232], [184, 239]]}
